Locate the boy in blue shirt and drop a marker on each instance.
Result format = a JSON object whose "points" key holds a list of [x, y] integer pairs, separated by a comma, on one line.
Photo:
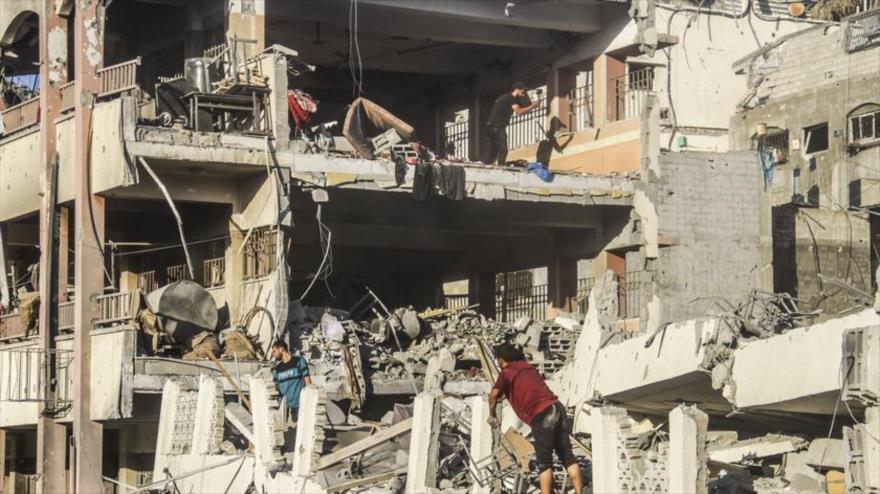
{"points": [[291, 375]]}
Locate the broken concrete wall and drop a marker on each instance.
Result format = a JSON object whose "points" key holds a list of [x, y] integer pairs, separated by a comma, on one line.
{"points": [[710, 209]]}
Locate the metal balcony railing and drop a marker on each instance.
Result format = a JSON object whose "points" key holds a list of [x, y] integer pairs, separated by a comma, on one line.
{"points": [[12, 327], [178, 272], [118, 78], [525, 130], [456, 138], [514, 303], [260, 253], [214, 272], [147, 281], [21, 116], [581, 110], [24, 372], [455, 301], [118, 308], [629, 90], [68, 96], [65, 317]]}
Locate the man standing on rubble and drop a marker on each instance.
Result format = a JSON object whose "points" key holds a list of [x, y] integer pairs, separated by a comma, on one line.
{"points": [[537, 406], [517, 101], [291, 375]]}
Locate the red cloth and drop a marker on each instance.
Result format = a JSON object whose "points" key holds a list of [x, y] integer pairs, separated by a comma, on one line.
{"points": [[525, 389]]}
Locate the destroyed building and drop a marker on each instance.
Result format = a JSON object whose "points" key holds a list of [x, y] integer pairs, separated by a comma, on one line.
{"points": [[691, 266]]}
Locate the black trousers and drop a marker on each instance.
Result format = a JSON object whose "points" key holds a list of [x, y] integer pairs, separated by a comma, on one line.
{"points": [[550, 432], [497, 148]]}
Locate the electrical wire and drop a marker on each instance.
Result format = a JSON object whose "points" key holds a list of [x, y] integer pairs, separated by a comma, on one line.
{"points": [[355, 62], [325, 269]]}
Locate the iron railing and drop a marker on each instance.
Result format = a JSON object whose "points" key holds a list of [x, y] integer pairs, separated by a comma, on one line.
{"points": [[862, 30], [214, 272], [12, 327], [260, 253], [24, 373], [66, 317], [178, 272], [581, 108], [628, 294], [118, 308], [22, 115], [514, 303], [525, 130], [456, 138], [455, 301], [147, 281], [68, 96], [582, 295], [119, 78], [629, 91]]}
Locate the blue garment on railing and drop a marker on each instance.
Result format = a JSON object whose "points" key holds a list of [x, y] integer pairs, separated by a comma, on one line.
{"points": [[768, 163]]}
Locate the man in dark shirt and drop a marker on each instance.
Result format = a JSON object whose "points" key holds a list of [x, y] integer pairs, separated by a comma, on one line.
{"points": [[291, 375], [537, 406], [517, 101]]}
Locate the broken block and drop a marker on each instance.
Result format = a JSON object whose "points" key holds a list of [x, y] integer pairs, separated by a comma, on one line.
{"points": [[209, 421], [309, 431]]}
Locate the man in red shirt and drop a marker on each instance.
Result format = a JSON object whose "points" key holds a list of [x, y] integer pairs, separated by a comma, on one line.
{"points": [[537, 406]]}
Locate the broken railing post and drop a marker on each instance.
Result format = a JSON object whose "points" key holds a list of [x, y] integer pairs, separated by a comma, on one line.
{"points": [[424, 444], [687, 449], [482, 441], [309, 431]]}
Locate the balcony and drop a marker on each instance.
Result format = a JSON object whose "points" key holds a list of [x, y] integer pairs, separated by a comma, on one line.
{"points": [[527, 129], [581, 109], [627, 93], [21, 116]]}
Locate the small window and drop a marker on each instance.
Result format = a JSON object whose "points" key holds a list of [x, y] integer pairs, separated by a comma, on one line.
{"points": [[865, 127], [816, 138]]}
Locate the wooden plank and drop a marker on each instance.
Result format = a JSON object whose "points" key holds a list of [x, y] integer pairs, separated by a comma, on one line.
{"points": [[372, 479], [229, 378], [365, 444]]}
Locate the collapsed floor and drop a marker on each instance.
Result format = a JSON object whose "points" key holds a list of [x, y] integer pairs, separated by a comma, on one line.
{"points": [[723, 403]]}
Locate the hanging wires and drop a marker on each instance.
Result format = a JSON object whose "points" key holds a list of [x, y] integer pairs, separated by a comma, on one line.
{"points": [[325, 269], [355, 63]]}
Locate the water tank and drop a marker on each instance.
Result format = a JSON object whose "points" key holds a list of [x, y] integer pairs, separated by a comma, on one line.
{"points": [[195, 71]]}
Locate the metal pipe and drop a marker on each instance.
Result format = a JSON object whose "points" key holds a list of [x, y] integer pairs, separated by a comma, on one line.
{"points": [[165, 193]]}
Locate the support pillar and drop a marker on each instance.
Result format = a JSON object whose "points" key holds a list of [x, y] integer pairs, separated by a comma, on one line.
{"points": [[234, 272], [687, 449], [612, 69], [560, 83], [424, 445], [309, 431], [89, 261], [481, 290], [2, 459], [63, 252], [194, 35], [209, 420], [606, 467], [5, 294], [562, 285], [482, 439], [51, 436]]}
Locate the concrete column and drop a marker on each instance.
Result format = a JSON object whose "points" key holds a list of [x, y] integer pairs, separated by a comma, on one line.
{"points": [[210, 412], [614, 68], [246, 19], [267, 424], [167, 418], [51, 436], [2, 459], [562, 285], [309, 431], [4, 276], [606, 468], [234, 272], [687, 449], [194, 34], [424, 444], [560, 83], [481, 290], [63, 252], [482, 438]]}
